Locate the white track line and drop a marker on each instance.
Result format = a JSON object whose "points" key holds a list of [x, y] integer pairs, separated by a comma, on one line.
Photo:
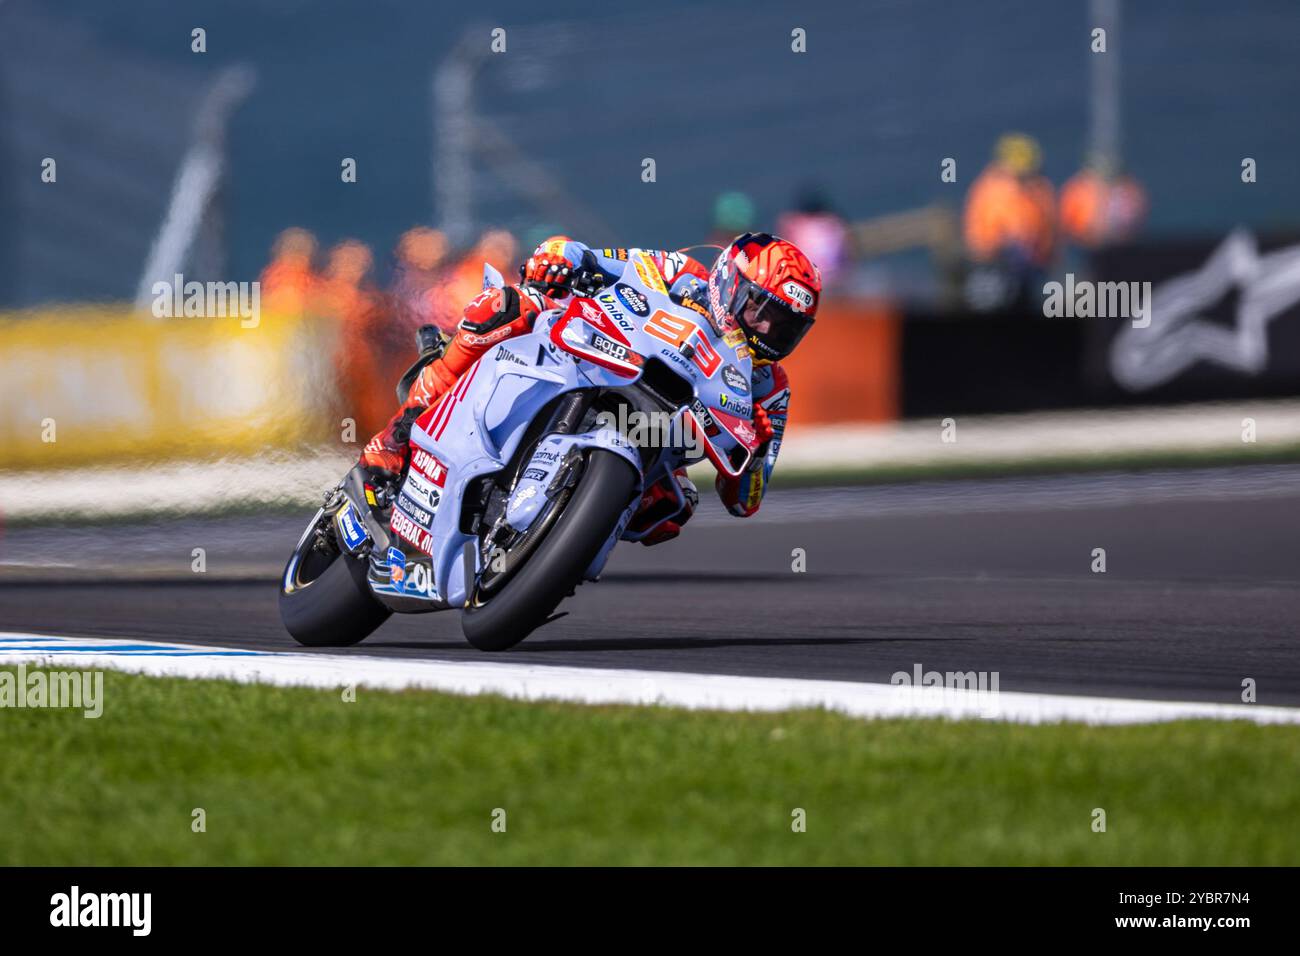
{"points": [[606, 686]]}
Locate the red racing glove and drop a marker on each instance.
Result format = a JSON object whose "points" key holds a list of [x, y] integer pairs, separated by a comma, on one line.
{"points": [[762, 425], [553, 264]]}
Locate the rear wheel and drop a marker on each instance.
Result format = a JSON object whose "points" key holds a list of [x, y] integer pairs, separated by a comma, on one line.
{"points": [[604, 490], [324, 598]]}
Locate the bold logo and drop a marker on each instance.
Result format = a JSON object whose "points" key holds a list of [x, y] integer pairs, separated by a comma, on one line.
{"points": [[608, 346], [735, 379], [429, 466], [800, 296], [702, 415], [633, 299]]}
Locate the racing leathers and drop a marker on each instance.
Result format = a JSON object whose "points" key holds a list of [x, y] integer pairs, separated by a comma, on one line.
{"points": [[558, 267]]}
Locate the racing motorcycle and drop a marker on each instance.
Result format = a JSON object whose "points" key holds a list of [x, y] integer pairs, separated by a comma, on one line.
{"points": [[525, 474]]}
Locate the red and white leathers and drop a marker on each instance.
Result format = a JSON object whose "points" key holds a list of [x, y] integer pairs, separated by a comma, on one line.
{"points": [[499, 314]]}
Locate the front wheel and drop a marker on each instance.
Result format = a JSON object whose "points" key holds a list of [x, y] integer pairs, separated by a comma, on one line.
{"points": [[606, 487], [324, 598]]}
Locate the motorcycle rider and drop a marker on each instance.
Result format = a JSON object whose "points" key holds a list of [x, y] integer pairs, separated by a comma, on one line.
{"points": [[762, 292]]}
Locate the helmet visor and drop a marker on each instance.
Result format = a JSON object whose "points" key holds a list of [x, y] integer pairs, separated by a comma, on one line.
{"points": [[772, 326]]}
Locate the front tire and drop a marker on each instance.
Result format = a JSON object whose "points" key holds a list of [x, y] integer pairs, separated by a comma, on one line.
{"points": [[324, 601], [604, 491]]}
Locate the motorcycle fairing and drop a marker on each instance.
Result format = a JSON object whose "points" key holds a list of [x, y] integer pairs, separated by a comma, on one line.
{"points": [[476, 428]]}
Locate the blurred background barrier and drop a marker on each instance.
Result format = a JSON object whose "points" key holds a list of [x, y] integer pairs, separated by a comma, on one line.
{"points": [[95, 384], [848, 369], [1224, 324], [1225, 319]]}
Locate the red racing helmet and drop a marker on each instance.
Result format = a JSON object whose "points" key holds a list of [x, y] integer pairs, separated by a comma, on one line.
{"points": [[770, 289]]}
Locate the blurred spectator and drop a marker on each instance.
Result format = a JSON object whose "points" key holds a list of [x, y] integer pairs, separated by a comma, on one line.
{"points": [[496, 247], [1010, 223], [820, 232], [345, 291], [421, 253], [1009, 211], [289, 280], [346, 295], [1101, 205]]}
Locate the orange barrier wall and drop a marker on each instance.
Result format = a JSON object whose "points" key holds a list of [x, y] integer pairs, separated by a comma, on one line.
{"points": [[847, 368]]}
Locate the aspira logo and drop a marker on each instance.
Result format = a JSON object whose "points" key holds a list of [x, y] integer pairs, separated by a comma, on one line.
{"points": [[103, 909]]}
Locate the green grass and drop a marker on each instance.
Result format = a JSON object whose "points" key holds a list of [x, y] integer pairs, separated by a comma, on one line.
{"points": [[297, 776]]}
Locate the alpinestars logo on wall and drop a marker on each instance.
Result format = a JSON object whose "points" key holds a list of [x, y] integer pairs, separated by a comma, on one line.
{"points": [[1180, 334]]}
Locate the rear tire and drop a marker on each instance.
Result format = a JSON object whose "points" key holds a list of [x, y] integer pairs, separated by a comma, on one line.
{"points": [[604, 491], [333, 609]]}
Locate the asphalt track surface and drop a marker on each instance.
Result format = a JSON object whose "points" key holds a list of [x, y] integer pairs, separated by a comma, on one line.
{"points": [[1200, 589]]}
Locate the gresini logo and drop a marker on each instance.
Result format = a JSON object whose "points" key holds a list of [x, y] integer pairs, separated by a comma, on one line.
{"points": [[103, 909], [1180, 334]]}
